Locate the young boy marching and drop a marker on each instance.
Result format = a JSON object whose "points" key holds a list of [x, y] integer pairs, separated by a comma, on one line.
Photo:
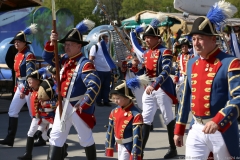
{"points": [[125, 125], [34, 80]]}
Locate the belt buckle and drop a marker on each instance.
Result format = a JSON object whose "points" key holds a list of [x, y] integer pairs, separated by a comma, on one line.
{"points": [[199, 120], [119, 141]]}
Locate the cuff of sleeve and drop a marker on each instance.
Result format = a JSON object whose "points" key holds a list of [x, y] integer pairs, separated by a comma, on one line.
{"points": [[135, 157], [155, 85], [134, 69], [48, 48], [218, 119], [176, 78], [179, 129], [109, 152], [85, 106], [24, 91]]}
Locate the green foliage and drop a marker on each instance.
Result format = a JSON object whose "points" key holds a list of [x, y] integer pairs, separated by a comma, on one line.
{"points": [[117, 9], [237, 4], [80, 9]]}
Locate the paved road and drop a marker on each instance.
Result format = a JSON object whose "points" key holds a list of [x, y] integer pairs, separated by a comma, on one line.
{"points": [[156, 147]]}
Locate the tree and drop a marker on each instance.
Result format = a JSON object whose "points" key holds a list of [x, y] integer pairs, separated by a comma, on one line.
{"points": [[80, 9]]}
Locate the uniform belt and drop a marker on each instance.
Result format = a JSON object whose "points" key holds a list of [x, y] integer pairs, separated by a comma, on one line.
{"points": [[123, 141], [74, 98], [46, 109], [153, 78], [21, 78], [200, 120]]}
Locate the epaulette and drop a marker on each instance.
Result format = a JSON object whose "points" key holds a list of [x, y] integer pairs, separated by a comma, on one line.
{"points": [[167, 52], [234, 65], [30, 57], [88, 66]]}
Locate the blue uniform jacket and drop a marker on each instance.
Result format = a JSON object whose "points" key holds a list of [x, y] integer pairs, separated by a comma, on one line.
{"points": [[87, 82], [213, 92], [125, 123]]}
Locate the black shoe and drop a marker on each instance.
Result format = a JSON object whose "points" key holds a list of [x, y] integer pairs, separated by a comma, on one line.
{"points": [[171, 153], [99, 104], [65, 153], [151, 128], [29, 147], [55, 153], [107, 104], [91, 152], [40, 142], [37, 134], [12, 129]]}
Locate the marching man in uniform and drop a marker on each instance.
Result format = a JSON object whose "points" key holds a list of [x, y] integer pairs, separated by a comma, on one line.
{"points": [[24, 64], [79, 88], [211, 92], [161, 91], [182, 60]]}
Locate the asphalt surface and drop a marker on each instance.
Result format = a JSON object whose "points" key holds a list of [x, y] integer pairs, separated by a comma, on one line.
{"points": [[156, 147]]}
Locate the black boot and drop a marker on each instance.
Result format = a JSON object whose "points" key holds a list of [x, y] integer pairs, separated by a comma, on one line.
{"points": [[40, 142], [91, 152], [151, 129], [29, 148], [65, 153], [145, 133], [172, 152], [12, 129], [55, 153], [37, 134]]}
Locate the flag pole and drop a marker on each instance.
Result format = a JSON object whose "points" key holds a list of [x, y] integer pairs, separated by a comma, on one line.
{"points": [[56, 59]]}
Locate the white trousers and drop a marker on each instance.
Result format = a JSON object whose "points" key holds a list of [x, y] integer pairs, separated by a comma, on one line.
{"points": [[44, 135], [199, 145], [17, 103], [33, 127], [123, 154], [58, 138], [158, 99], [43, 125]]}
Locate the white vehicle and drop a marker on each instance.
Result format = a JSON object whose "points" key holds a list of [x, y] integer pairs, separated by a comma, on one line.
{"points": [[194, 7], [11, 16]]}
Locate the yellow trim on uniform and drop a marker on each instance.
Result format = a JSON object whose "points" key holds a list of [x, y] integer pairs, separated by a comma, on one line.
{"points": [[209, 81], [235, 106], [167, 59], [236, 88], [211, 75], [194, 75], [212, 53], [75, 56], [230, 69], [181, 123], [90, 88], [233, 77], [182, 100]]}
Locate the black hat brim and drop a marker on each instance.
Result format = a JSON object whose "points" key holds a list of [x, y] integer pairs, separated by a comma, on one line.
{"points": [[146, 34], [84, 43], [18, 38], [180, 46], [117, 92], [202, 33]]}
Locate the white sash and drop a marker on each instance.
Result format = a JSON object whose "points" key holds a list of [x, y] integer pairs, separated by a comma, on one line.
{"points": [[67, 100]]}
